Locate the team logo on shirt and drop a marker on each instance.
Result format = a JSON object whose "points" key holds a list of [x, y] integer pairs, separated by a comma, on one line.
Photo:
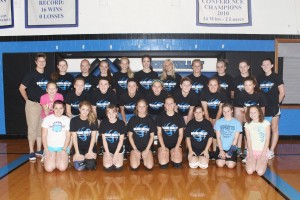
{"points": [[169, 128], [156, 105], [141, 130], [64, 84], [198, 134], [111, 136], [87, 86], [102, 104], [146, 83], [197, 87], [250, 103], [75, 105], [266, 86], [183, 107], [227, 130], [123, 83], [224, 85], [42, 84], [169, 85], [57, 126], [240, 87], [261, 132], [83, 133], [213, 103], [130, 107]]}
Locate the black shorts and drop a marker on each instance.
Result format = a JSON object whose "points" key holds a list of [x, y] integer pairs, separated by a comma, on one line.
{"points": [[232, 158], [198, 151], [169, 146], [83, 151], [122, 150]]}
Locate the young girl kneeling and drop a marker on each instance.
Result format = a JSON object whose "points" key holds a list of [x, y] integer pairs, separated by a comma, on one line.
{"points": [[258, 136]]}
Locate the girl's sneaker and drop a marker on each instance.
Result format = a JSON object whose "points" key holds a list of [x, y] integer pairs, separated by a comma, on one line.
{"points": [[32, 157], [271, 154]]}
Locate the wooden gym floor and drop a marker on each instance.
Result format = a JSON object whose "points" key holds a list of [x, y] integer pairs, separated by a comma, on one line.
{"points": [[21, 179]]}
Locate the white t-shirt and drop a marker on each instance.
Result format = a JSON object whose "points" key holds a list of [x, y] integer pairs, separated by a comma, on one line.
{"points": [[258, 134], [57, 128]]}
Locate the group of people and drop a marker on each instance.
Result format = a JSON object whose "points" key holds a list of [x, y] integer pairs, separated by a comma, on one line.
{"points": [[127, 112]]}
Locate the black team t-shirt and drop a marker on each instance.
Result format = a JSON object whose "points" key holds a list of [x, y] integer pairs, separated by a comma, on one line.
{"points": [[226, 82], [269, 86], [141, 129], [83, 131], [65, 84], [90, 82], [198, 83], [171, 84], [121, 82], [73, 100], [156, 103], [35, 84], [213, 101], [145, 80], [238, 86], [184, 103], [199, 133], [246, 100], [170, 126], [112, 133], [129, 103], [101, 101]]}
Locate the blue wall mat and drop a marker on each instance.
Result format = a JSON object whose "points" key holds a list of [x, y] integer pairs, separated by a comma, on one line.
{"points": [[289, 122], [125, 45]]}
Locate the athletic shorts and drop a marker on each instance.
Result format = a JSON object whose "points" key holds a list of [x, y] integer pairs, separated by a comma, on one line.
{"points": [[198, 151], [55, 149], [269, 118], [84, 151], [122, 150], [232, 158]]}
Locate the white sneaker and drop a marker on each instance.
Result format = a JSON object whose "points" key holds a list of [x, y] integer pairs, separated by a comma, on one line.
{"points": [[270, 154], [244, 160]]}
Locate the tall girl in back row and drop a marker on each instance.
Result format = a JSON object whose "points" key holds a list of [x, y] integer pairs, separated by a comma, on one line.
{"points": [[169, 77], [273, 88], [145, 76], [122, 76], [64, 80]]}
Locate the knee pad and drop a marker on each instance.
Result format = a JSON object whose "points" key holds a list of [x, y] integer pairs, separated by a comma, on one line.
{"points": [[177, 165], [164, 166], [203, 166], [90, 164], [193, 165], [79, 165], [134, 169]]}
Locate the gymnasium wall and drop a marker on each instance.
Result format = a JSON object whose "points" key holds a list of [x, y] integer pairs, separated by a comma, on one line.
{"points": [[163, 16]]}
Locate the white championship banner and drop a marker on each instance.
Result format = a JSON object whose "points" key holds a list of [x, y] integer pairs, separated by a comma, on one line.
{"points": [[49, 13], [6, 13], [224, 12]]}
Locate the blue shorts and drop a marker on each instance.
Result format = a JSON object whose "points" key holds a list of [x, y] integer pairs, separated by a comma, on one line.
{"points": [[128, 116], [55, 149], [58, 149]]}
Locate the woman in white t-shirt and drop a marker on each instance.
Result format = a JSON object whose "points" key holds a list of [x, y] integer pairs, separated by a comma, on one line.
{"points": [[258, 136], [55, 138]]}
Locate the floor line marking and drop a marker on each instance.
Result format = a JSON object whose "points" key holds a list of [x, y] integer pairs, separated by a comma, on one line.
{"points": [[13, 165]]}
